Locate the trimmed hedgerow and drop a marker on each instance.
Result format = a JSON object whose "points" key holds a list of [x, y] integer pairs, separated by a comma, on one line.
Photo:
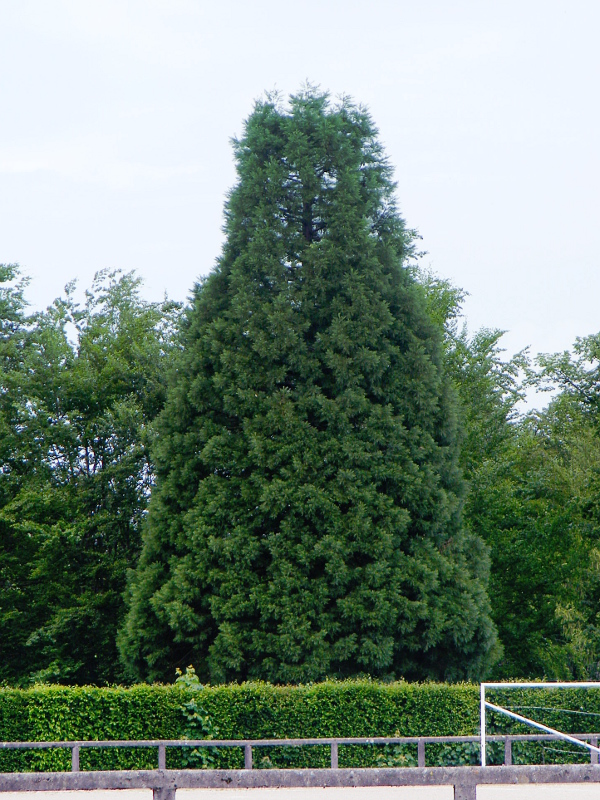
{"points": [[260, 710], [249, 710], [57, 713]]}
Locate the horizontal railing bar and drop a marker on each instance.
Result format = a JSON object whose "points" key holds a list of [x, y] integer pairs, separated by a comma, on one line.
{"points": [[375, 740], [547, 685]]}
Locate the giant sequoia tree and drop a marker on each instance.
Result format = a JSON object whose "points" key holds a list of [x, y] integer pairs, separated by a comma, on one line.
{"points": [[307, 516]]}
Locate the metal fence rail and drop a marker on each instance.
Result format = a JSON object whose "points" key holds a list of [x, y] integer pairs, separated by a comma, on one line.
{"points": [[333, 743], [507, 685]]}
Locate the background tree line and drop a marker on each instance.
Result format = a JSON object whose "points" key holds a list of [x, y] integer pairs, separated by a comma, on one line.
{"points": [[533, 491], [82, 385], [312, 470]]}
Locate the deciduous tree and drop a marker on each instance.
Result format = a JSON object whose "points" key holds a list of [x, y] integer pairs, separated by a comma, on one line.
{"points": [[80, 386]]}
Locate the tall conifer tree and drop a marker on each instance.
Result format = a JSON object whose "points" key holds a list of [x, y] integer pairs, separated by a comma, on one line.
{"points": [[307, 516]]}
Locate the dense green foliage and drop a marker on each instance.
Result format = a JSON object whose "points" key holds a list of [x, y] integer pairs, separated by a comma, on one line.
{"points": [[307, 516], [263, 711], [251, 710], [80, 386], [340, 463], [533, 496]]}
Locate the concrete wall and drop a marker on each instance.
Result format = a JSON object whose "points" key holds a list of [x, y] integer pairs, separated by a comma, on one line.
{"points": [[576, 791], [573, 782]]}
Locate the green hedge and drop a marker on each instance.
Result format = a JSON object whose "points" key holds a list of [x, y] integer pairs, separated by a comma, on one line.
{"points": [[250, 710], [258, 710]]}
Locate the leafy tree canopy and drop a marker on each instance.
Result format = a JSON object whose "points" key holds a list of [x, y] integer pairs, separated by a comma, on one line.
{"points": [[532, 491], [79, 388]]}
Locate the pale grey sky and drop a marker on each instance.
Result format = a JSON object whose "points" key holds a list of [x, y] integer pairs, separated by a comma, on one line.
{"points": [[116, 118]]}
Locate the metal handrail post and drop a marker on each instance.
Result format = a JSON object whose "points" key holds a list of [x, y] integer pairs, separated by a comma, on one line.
{"points": [[482, 721]]}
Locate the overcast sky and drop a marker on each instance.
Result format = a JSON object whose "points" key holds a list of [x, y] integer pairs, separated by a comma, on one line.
{"points": [[116, 118]]}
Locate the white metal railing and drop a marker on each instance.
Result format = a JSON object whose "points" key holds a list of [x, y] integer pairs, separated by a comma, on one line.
{"points": [[545, 685]]}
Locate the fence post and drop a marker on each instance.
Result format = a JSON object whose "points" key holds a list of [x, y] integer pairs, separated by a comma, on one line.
{"points": [[247, 756], [508, 751], [334, 755], [465, 791], [75, 758], [420, 753], [163, 793], [593, 754], [162, 756]]}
